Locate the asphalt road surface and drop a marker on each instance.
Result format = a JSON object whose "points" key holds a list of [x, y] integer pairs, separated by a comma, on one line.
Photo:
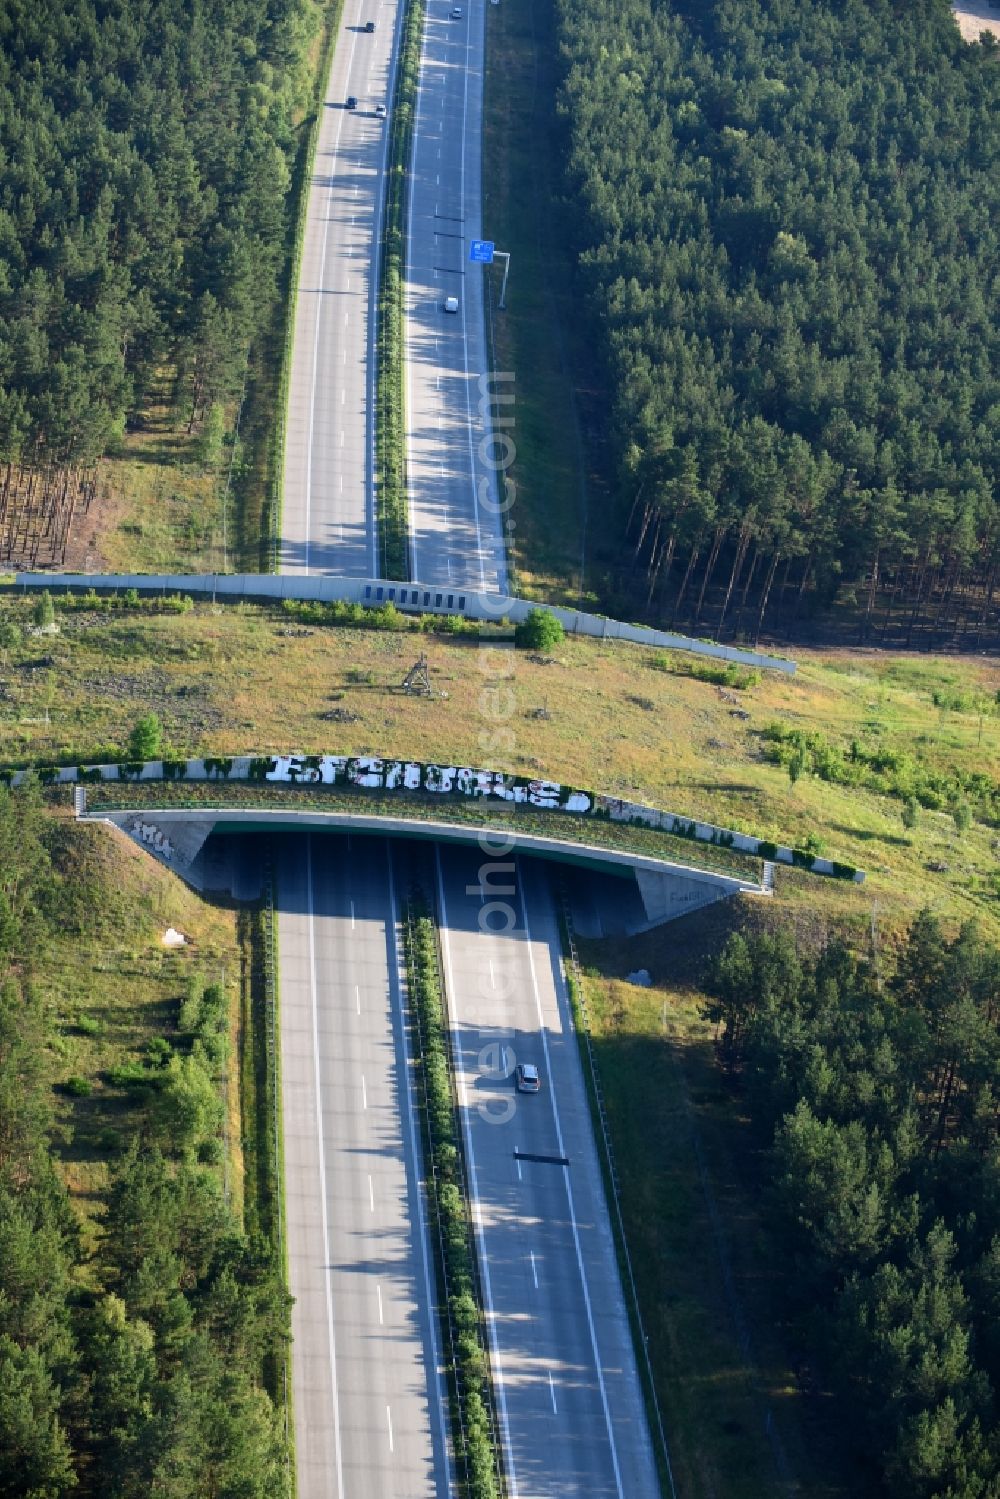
{"points": [[328, 521], [368, 1400], [456, 533], [569, 1397]]}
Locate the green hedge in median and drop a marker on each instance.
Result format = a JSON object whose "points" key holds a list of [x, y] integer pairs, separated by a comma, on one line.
{"points": [[446, 1188], [390, 441]]}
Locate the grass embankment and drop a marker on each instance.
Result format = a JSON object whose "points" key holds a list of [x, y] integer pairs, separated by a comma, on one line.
{"points": [[122, 1003], [736, 1390], [555, 529], [606, 1158], [390, 437], [116, 990], [243, 679], [147, 1310], [469, 1385]]}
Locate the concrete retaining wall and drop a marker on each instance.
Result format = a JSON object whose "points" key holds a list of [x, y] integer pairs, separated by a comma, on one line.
{"points": [[411, 598]]}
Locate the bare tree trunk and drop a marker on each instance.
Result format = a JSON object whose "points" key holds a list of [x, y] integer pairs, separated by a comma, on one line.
{"points": [[655, 559], [784, 585], [891, 604], [872, 587], [741, 551], [746, 586], [692, 563], [647, 515], [952, 573], [668, 563], [717, 540], [765, 595], [802, 587], [988, 603], [918, 595], [635, 502], [946, 1097]]}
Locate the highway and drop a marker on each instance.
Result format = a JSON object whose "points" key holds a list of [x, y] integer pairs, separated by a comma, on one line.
{"points": [[569, 1398], [328, 521], [456, 534], [369, 1404]]}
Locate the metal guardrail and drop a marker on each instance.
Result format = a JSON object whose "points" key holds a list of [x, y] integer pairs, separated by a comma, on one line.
{"points": [[411, 597]]}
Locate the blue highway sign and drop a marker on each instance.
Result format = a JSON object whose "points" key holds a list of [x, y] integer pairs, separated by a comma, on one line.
{"points": [[481, 250]]}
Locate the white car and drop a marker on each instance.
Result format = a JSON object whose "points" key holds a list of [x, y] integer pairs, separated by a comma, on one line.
{"points": [[380, 111], [456, 12], [451, 304]]}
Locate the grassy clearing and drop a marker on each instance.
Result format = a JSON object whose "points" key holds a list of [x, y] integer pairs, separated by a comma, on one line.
{"points": [[732, 1382], [557, 520], [163, 511], [243, 679], [114, 988]]}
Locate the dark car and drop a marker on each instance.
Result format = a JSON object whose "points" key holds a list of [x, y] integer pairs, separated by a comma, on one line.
{"points": [[369, 25], [352, 102]]}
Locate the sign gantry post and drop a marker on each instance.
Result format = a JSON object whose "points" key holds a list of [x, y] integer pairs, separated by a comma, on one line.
{"points": [[484, 252]]}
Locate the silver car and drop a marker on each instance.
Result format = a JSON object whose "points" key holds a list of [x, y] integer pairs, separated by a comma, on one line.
{"points": [[528, 1080]]}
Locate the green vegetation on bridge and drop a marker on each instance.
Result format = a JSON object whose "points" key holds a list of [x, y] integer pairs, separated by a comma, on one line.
{"points": [[629, 720]]}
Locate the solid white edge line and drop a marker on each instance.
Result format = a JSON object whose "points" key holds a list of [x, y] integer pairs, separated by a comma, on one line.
{"points": [[477, 1222], [409, 303], [396, 989], [331, 1338], [319, 299], [465, 321], [569, 1191], [373, 291]]}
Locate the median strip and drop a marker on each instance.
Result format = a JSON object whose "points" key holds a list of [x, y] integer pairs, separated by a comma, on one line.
{"points": [[390, 432], [469, 1384]]}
